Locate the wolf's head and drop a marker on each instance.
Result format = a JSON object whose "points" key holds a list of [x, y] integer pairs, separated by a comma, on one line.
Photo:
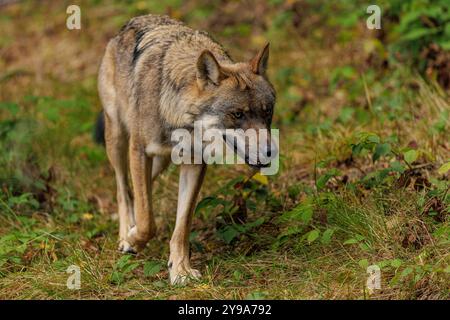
{"points": [[240, 97]]}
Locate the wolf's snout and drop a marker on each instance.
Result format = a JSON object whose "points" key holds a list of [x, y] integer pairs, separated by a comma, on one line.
{"points": [[256, 148]]}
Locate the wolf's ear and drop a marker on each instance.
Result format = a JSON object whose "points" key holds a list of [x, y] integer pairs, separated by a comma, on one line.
{"points": [[259, 62], [208, 69]]}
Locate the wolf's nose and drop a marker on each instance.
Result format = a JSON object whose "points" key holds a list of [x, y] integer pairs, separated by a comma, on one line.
{"points": [[269, 153]]}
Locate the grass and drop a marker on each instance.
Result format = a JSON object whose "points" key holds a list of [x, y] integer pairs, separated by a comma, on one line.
{"points": [[360, 183]]}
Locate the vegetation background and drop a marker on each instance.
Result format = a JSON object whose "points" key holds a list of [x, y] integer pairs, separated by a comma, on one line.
{"points": [[364, 132]]}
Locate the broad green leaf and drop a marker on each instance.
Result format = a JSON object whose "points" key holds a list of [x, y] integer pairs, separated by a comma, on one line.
{"points": [[383, 263], [250, 225], [237, 275], [130, 267], [372, 137], [151, 268], [396, 263], [313, 235], [364, 246], [363, 263], [209, 203], [261, 179], [116, 277], [397, 167], [323, 179], [359, 237], [228, 233], [351, 241], [444, 168], [307, 215], [302, 212], [381, 149], [406, 272], [326, 236], [410, 156], [346, 114], [123, 261]]}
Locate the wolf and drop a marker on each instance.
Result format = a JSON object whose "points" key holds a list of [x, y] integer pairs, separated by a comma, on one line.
{"points": [[158, 75]]}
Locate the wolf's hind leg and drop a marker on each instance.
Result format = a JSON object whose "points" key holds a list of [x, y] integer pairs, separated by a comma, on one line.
{"points": [[141, 171], [191, 178], [116, 141]]}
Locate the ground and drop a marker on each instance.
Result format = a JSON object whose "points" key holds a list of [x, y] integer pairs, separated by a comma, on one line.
{"points": [[363, 175]]}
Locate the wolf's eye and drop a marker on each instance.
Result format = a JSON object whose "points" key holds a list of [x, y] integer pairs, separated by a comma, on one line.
{"points": [[238, 115]]}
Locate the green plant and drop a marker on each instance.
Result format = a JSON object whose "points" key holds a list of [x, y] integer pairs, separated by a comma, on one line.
{"points": [[123, 267]]}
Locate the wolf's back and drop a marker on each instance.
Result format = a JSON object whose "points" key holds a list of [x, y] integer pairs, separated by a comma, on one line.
{"points": [[150, 37], [144, 33]]}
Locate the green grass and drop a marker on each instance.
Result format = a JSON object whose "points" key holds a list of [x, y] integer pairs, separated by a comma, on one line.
{"points": [[361, 182]]}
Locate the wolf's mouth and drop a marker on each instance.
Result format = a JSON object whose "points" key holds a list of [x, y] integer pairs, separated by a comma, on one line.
{"points": [[257, 165]]}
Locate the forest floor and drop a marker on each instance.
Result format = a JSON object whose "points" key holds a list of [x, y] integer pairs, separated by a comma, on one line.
{"points": [[361, 183]]}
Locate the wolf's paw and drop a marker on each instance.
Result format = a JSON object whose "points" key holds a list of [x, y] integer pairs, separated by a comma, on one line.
{"points": [[138, 239], [126, 247], [181, 273]]}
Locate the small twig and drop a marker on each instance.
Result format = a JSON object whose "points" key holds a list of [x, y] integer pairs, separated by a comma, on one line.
{"points": [[424, 165], [367, 92]]}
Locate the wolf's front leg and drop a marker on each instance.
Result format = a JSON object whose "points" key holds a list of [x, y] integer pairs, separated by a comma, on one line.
{"points": [[191, 178]]}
